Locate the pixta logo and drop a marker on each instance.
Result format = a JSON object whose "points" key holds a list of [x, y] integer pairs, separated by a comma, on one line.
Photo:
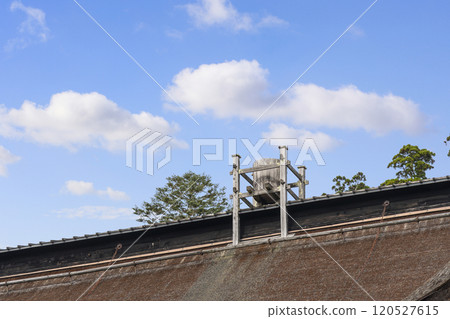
{"points": [[144, 145], [308, 149]]}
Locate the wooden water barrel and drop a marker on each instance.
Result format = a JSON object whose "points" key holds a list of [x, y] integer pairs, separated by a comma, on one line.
{"points": [[262, 179]]}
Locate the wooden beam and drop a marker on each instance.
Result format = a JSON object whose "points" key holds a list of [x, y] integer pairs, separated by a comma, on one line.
{"points": [[303, 182], [292, 185], [267, 191], [258, 192], [295, 172], [236, 201], [283, 193], [293, 194], [248, 179], [245, 200], [259, 168]]}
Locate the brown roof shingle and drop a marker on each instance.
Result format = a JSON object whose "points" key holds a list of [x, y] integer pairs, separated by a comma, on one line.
{"points": [[407, 254]]}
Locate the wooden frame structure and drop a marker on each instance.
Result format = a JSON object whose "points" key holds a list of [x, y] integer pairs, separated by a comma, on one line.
{"points": [[284, 187]]}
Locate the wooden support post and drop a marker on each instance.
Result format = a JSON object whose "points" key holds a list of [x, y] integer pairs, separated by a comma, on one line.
{"points": [[301, 187], [283, 194], [236, 200]]}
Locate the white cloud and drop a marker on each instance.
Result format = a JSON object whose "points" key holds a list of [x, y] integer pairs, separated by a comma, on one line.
{"points": [[282, 131], [113, 194], [230, 89], [6, 158], [271, 21], [240, 89], [32, 29], [350, 108], [80, 188], [97, 212], [206, 13], [73, 120]]}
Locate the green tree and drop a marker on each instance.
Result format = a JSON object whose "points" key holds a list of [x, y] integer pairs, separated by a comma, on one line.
{"points": [[447, 141], [185, 196], [412, 163], [343, 184]]}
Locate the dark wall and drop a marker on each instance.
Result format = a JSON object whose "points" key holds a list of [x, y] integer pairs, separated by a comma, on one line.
{"points": [[253, 223]]}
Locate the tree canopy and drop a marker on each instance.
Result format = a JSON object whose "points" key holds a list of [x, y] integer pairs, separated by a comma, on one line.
{"points": [[343, 184], [412, 163], [447, 141], [188, 195]]}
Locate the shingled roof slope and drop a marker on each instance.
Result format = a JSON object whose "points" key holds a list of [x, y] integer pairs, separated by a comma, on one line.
{"points": [[407, 254]]}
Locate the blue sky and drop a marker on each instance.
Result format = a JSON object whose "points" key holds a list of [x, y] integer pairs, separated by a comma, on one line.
{"points": [[70, 97]]}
